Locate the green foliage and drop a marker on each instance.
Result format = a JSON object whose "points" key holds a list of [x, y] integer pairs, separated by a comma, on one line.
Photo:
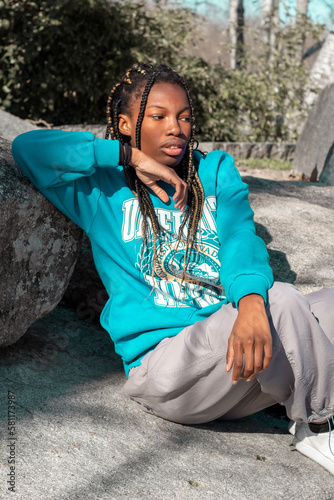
{"points": [[59, 59], [272, 97], [265, 100]]}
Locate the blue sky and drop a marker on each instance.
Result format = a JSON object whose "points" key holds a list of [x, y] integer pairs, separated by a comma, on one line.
{"points": [[317, 10]]}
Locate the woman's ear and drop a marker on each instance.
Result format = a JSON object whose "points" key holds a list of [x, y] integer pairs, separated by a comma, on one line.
{"points": [[124, 124]]}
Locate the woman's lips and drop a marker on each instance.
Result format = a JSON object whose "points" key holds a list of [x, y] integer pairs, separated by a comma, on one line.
{"points": [[173, 147], [172, 150]]}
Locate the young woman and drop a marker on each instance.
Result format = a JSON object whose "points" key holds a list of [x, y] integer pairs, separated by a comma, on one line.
{"points": [[193, 312]]}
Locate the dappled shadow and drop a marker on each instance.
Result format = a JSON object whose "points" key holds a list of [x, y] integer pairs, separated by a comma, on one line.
{"points": [[316, 193], [57, 353], [277, 260]]}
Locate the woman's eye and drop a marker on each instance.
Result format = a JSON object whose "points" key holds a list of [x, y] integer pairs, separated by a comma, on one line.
{"points": [[157, 117], [185, 118]]}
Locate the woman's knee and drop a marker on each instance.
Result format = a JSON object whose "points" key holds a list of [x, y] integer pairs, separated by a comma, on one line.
{"points": [[321, 299], [286, 297], [321, 303]]}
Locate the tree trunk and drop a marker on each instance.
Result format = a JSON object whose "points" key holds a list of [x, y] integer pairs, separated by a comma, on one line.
{"points": [[236, 31], [270, 21], [302, 6]]}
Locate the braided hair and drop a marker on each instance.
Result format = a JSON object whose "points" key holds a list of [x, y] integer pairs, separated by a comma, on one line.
{"points": [[138, 82]]}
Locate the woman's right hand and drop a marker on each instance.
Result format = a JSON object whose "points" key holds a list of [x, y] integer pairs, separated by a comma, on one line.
{"points": [[250, 342], [149, 171]]}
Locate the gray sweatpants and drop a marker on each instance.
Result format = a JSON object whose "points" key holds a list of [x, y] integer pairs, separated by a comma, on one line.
{"points": [[184, 378]]}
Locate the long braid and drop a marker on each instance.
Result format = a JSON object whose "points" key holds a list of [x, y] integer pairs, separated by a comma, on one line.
{"points": [[119, 101], [144, 98], [145, 197], [195, 187], [111, 127]]}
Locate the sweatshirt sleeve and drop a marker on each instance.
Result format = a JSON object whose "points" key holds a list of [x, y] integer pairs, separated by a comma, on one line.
{"points": [[64, 167], [243, 255]]}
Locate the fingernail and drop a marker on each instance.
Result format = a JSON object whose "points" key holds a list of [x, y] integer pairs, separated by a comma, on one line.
{"points": [[234, 382]]}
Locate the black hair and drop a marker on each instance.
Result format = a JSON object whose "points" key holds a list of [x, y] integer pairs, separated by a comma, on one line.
{"points": [[137, 83]]}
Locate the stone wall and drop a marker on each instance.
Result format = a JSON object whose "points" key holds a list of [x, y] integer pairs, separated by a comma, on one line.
{"points": [[279, 150]]}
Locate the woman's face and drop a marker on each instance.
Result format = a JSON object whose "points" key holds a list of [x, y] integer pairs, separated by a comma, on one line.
{"points": [[166, 127]]}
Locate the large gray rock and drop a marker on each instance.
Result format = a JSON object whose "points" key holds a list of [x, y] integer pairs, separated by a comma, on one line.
{"points": [[38, 251], [98, 130], [314, 150], [11, 126]]}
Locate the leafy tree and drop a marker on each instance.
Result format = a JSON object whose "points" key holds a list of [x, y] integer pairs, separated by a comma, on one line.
{"points": [[59, 59]]}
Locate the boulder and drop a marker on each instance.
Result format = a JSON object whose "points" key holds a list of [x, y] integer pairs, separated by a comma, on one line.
{"points": [[98, 130], [38, 251], [11, 126], [314, 150]]}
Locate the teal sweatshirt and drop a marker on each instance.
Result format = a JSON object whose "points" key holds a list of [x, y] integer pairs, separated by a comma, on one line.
{"points": [[80, 175]]}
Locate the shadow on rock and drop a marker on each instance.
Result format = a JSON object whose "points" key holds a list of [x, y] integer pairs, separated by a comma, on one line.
{"points": [[58, 354], [277, 260]]}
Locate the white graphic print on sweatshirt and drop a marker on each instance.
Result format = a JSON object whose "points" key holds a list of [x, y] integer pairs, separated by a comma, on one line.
{"points": [[202, 287]]}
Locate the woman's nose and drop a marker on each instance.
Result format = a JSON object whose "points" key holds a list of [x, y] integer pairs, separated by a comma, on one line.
{"points": [[173, 126]]}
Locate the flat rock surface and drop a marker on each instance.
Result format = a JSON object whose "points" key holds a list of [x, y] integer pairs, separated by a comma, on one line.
{"points": [[79, 437]]}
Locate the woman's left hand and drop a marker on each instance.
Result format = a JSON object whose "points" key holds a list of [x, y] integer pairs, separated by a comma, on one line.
{"points": [[250, 342], [149, 171]]}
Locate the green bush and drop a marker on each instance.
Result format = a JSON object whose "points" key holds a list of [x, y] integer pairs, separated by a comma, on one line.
{"points": [[59, 59]]}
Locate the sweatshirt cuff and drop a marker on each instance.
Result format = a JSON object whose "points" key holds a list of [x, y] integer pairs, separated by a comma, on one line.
{"points": [[247, 284], [106, 152]]}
